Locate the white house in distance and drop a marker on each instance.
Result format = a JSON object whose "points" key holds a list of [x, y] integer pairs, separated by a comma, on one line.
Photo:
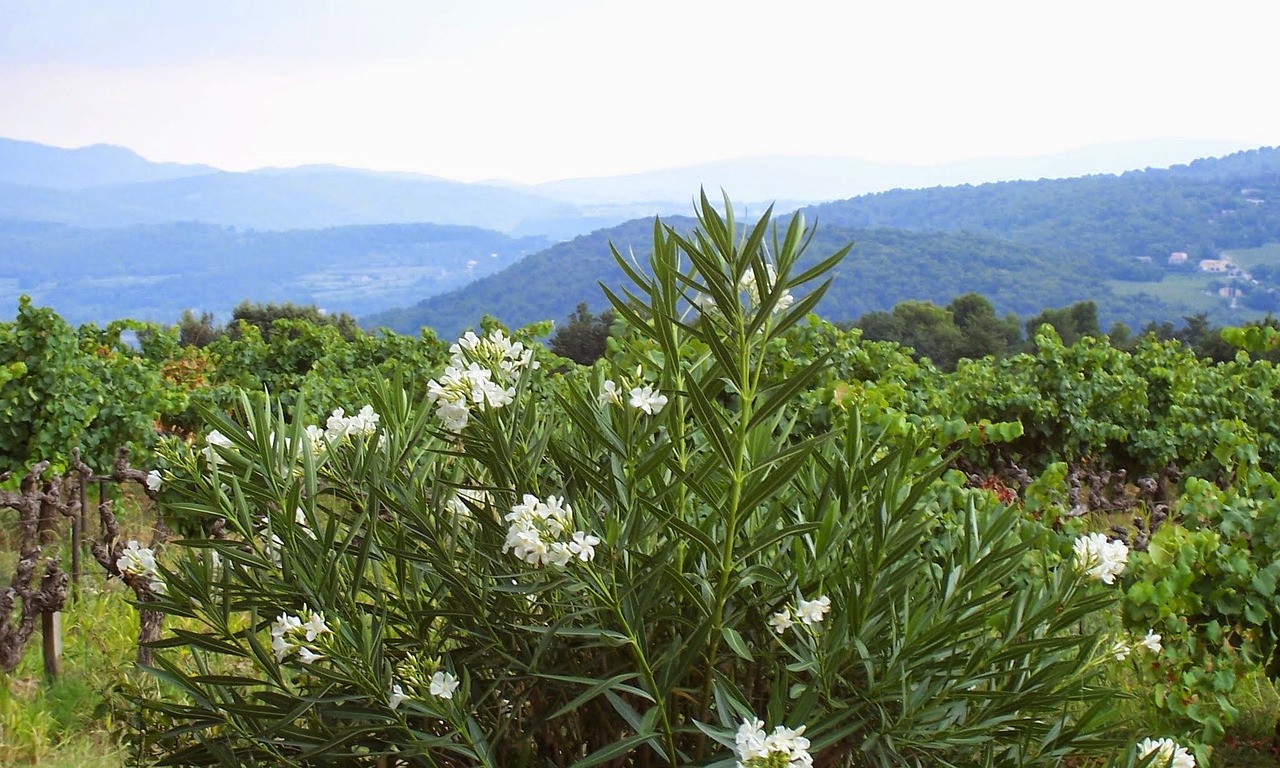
{"points": [[1214, 265], [1177, 257]]}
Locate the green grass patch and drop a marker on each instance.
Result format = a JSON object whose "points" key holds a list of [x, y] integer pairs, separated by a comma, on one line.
{"points": [[1252, 257]]}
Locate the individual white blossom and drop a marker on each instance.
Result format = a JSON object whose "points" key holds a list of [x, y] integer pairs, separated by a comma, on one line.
{"points": [[396, 696], [610, 394], [316, 439], [155, 481], [758, 750], [364, 423], [648, 399], [781, 621], [1167, 752], [314, 627], [1151, 642], [215, 439], [1101, 559], [812, 611], [1120, 650], [583, 546], [750, 740], [306, 656], [443, 685]]}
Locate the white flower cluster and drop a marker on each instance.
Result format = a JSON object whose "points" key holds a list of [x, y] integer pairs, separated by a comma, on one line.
{"points": [[140, 561], [807, 612], [758, 750], [755, 293], [288, 633], [481, 374], [537, 533], [340, 426], [1167, 753], [1101, 559]]}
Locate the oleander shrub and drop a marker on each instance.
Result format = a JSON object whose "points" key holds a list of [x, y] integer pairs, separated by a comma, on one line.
{"points": [[662, 564]]}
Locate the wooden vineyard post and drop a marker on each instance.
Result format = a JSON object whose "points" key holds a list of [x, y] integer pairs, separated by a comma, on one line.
{"points": [[51, 642]]}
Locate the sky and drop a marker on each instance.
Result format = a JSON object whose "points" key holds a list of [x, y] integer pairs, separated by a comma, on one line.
{"points": [[550, 89]]}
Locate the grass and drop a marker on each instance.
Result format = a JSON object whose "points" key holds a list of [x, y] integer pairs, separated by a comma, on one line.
{"points": [[65, 722], [1250, 257]]}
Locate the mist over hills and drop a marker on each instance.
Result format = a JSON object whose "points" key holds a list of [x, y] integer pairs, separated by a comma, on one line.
{"points": [[791, 181], [153, 272]]}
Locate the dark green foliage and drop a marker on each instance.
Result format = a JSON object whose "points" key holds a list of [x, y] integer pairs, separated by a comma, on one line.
{"points": [[583, 339], [264, 316], [1071, 323], [62, 389]]}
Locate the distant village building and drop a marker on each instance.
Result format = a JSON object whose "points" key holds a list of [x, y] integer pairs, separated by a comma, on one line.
{"points": [[1144, 259], [1214, 265], [1227, 292], [1177, 257]]}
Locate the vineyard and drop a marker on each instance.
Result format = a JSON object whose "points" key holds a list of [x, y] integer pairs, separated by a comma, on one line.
{"points": [[744, 536]]}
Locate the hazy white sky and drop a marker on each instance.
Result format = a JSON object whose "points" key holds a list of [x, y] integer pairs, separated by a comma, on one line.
{"points": [[532, 91]]}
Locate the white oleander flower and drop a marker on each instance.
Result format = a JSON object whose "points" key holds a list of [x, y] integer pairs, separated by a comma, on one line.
{"points": [[1101, 559], [316, 439], [610, 394], [1151, 642], [314, 627], [155, 481], [1120, 650], [784, 747], [583, 546], [812, 611], [750, 740], [137, 560], [215, 439], [1167, 753], [443, 685], [648, 399], [306, 656], [781, 621], [396, 696]]}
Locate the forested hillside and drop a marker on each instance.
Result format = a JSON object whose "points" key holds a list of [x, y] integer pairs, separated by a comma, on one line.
{"points": [[1025, 245], [1200, 209]]}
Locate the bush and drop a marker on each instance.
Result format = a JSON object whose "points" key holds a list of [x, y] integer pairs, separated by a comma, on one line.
{"points": [[620, 565]]}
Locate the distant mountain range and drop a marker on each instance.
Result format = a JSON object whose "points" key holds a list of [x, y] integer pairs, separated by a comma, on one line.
{"points": [[101, 233]]}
